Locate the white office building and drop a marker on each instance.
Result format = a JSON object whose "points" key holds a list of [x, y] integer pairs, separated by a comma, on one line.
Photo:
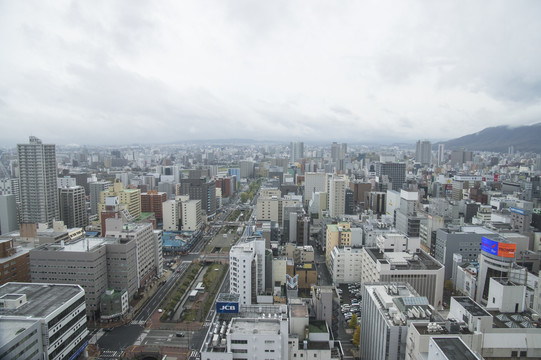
{"points": [[247, 269], [345, 265], [191, 215], [388, 310]]}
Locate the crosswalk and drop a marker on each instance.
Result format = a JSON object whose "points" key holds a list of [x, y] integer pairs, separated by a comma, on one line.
{"points": [[194, 353], [110, 354], [138, 322]]}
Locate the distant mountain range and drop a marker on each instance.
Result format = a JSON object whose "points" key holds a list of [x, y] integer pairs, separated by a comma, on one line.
{"points": [[499, 139]]}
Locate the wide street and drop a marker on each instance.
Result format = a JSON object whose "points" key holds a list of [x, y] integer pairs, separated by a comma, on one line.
{"points": [[112, 343]]}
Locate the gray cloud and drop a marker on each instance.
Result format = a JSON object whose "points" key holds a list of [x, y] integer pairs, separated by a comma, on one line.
{"points": [[110, 72]]}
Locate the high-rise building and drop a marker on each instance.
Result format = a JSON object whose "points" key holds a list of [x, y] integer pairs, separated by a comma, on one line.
{"points": [[396, 172], [296, 151], [423, 152], [388, 311], [314, 182], [495, 260], [129, 200], [37, 182], [201, 189], [337, 195], [73, 206], [82, 262], [191, 215], [8, 214], [246, 169], [247, 277], [338, 151], [171, 210], [463, 240], [152, 202], [96, 188], [441, 154]]}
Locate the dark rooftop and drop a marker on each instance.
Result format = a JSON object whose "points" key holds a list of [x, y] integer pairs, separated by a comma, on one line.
{"points": [[455, 349], [470, 305], [41, 299]]}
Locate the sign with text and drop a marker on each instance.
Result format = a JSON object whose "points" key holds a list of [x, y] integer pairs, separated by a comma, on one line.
{"points": [[227, 307], [497, 248], [489, 246]]}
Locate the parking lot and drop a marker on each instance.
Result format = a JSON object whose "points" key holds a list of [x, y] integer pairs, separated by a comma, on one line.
{"points": [[351, 300]]}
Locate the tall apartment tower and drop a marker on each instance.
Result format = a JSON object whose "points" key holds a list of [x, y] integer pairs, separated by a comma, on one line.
{"points": [[72, 201], [37, 182], [396, 172], [296, 150], [338, 151], [337, 195], [441, 154], [423, 152]]}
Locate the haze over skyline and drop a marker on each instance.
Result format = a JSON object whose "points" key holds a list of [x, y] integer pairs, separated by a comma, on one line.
{"points": [[105, 72]]}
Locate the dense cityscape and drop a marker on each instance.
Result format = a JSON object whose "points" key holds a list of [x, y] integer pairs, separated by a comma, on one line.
{"points": [[270, 180], [269, 250]]}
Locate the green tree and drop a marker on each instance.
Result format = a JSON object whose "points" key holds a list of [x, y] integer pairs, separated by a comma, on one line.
{"points": [[353, 322], [243, 197], [357, 336]]}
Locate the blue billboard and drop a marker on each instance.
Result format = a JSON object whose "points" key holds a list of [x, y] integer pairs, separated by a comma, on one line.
{"points": [[227, 307], [517, 210], [489, 246]]}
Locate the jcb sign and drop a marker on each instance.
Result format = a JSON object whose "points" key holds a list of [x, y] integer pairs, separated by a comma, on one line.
{"points": [[227, 307]]}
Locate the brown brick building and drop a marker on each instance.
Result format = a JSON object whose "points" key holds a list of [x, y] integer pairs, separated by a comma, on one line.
{"points": [[152, 202], [14, 262]]}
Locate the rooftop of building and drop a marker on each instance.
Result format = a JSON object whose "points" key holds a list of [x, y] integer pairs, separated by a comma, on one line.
{"points": [[455, 349], [10, 328], [80, 245], [471, 306], [317, 326], [305, 266], [403, 260], [41, 299], [400, 303], [439, 328], [298, 310], [255, 326], [227, 297], [482, 230], [21, 249], [518, 320], [338, 227]]}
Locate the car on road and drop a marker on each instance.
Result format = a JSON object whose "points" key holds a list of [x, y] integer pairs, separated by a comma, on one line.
{"points": [[180, 334]]}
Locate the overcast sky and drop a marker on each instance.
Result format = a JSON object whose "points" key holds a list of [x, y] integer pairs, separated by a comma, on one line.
{"points": [[121, 72]]}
